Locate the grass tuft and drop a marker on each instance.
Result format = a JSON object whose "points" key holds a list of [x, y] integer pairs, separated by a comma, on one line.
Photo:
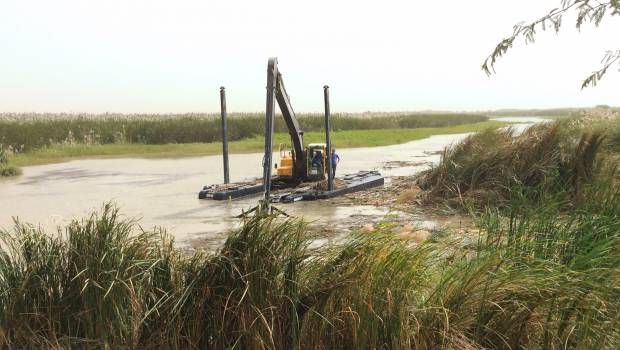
{"points": [[7, 169]]}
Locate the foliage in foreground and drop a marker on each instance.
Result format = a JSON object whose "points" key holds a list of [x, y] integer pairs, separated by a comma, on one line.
{"points": [[532, 280], [496, 166]]}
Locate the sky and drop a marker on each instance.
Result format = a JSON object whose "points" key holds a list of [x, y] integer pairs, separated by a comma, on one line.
{"points": [[172, 56]]}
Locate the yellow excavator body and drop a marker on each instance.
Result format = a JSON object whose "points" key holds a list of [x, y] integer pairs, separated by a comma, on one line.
{"points": [[285, 168], [315, 170]]}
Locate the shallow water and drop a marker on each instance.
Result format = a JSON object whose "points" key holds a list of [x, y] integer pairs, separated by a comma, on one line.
{"points": [[522, 122], [163, 192], [516, 119]]}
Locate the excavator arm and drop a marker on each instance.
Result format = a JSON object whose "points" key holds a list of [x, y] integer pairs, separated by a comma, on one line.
{"points": [[292, 124], [294, 130]]}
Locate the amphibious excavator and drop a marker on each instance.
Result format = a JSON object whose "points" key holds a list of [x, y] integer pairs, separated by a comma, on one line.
{"points": [[297, 165]]}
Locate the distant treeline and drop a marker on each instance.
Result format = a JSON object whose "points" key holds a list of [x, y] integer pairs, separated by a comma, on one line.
{"points": [[24, 132]]}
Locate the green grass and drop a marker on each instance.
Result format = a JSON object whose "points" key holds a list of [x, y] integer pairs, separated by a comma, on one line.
{"points": [[340, 139]]}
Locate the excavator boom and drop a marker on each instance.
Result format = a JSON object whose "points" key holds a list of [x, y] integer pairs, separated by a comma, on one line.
{"points": [[294, 130]]}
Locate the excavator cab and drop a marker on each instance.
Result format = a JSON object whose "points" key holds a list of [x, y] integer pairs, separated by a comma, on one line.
{"points": [[317, 161]]}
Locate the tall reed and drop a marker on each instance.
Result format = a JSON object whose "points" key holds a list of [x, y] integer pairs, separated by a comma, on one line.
{"points": [[536, 278]]}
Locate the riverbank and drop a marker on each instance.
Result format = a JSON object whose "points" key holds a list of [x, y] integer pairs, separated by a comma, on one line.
{"points": [[279, 283], [529, 274], [341, 139]]}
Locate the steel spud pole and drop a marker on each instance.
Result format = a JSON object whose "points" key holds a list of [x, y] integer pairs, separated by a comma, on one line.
{"points": [[330, 177], [224, 134], [272, 74]]}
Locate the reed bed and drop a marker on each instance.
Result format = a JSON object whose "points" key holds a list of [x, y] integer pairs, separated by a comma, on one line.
{"points": [[532, 279], [493, 167], [26, 132]]}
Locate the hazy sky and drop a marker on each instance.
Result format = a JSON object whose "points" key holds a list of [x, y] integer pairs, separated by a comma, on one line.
{"points": [[172, 56]]}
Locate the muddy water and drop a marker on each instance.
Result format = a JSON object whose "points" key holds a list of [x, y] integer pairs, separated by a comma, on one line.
{"points": [[163, 192]]}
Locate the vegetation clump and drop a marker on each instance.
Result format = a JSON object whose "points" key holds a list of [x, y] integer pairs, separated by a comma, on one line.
{"points": [[534, 279], [493, 167], [7, 169]]}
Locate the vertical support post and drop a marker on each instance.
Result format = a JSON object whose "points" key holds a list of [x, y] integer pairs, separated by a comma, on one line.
{"points": [[328, 143], [224, 134], [272, 73]]}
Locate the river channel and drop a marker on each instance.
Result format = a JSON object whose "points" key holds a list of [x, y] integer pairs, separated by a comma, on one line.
{"points": [[162, 192]]}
